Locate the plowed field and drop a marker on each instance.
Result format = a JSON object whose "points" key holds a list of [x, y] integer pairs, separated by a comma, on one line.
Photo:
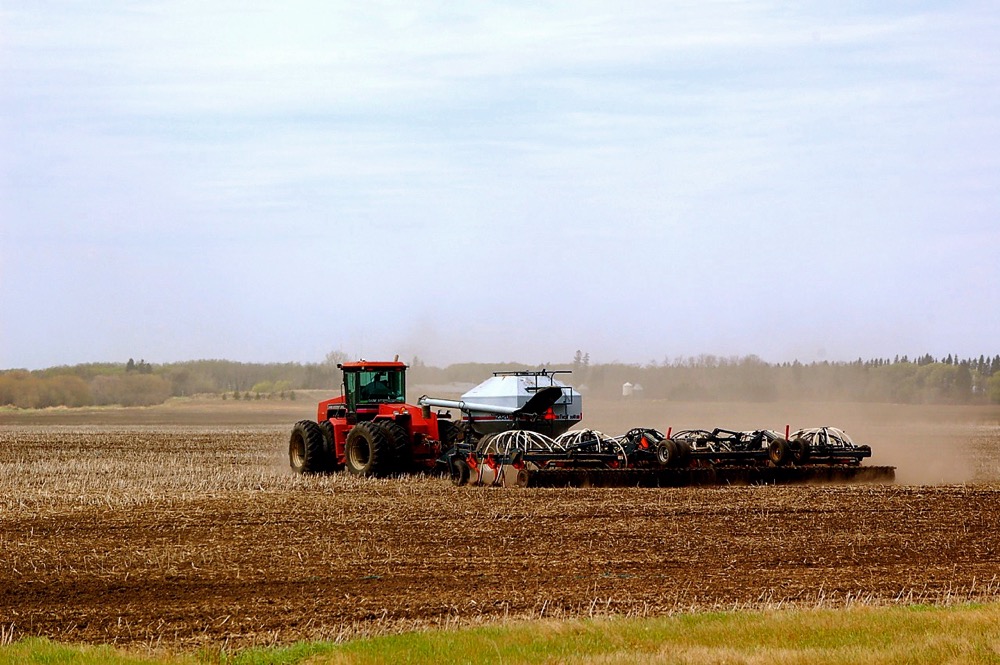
{"points": [[176, 534]]}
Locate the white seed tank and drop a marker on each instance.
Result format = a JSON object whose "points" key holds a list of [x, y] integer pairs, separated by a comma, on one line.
{"points": [[506, 393]]}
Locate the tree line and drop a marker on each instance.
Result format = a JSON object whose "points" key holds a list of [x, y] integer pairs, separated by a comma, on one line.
{"points": [[920, 380]]}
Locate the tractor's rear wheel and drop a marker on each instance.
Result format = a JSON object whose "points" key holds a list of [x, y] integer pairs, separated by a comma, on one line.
{"points": [[367, 450], [306, 448]]}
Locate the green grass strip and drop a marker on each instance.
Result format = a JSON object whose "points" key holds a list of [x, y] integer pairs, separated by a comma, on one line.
{"points": [[908, 635]]}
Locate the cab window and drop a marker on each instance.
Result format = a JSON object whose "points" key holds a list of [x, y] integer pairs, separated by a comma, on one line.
{"points": [[381, 386]]}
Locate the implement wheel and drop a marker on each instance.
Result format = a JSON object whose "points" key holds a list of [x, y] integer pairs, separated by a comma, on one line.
{"points": [[307, 448], [522, 478], [779, 453], [460, 472], [368, 451], [683, 453], [800, 451], [451, 432], [673, 453], [666, 453]]}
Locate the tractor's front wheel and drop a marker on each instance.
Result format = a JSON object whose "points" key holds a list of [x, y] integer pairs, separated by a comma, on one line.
{"points": [[368, 451], [306, 448]]}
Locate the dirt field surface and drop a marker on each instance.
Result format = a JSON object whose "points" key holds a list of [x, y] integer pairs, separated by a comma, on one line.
{"points": [[181, 525]]}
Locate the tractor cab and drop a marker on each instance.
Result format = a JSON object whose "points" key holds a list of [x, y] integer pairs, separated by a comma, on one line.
{"points": [[369, 384]]}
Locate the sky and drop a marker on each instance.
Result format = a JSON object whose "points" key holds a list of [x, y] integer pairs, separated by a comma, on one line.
{"points": [[642, 181]]}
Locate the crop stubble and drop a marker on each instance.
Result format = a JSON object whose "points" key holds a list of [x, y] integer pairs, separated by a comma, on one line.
{"points": [[181, 535]]}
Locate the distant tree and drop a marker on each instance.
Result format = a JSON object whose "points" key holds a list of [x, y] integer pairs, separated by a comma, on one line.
{"points": [[336, 357], [265, 387], [130, 390], [963, 382]]}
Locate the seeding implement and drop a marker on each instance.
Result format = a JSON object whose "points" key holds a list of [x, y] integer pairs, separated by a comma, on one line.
{"points": [[649, 458], [514, 429]]}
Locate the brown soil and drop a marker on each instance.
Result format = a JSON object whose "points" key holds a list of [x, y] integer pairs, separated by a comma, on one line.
{"points": [[181, 535]]}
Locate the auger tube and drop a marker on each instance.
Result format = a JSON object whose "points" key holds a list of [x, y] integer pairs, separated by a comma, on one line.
{"points": [[467, 406], [540, 402]]}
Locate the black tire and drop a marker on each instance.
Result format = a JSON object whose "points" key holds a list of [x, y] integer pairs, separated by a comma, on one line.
{"points": [[522, 478], [459, 472], [484, 442], [399, 444], [367, 451], [306, 448], [800, 451], [666, 452], [683, 453], [673, 453], [329, 447], [779, 453], [445, 433], [451, 432]]}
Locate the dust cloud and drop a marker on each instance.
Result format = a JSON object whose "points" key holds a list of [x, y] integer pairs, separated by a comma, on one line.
{"points": [[928, 445]]}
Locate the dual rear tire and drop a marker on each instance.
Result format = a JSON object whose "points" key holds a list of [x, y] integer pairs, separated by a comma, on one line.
{"points": [[372, 448], [308, 451]]}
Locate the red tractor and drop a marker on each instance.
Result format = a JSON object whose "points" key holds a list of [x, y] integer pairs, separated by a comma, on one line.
{"points": [[370, 429]]}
